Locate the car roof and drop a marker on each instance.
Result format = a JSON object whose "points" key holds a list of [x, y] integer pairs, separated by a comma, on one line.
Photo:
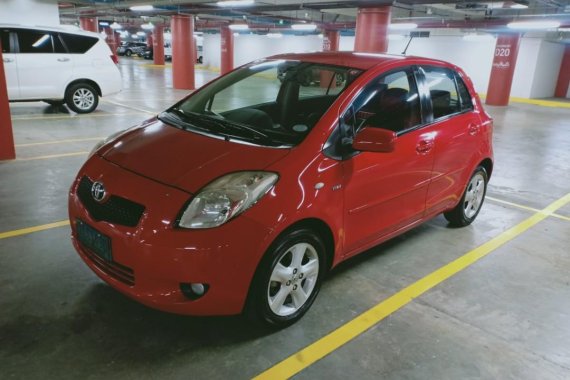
{"points": [[72, 29], [363, 61]]}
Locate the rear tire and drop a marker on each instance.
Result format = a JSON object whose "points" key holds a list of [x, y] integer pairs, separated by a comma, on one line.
{"points": [[288, 279], [82, 98], [468, 208], [128, 53]]}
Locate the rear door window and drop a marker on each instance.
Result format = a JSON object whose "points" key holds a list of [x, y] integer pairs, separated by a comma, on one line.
{"points": [[464, 96], [444, 95], [77, 44], [34, 41], [5, 40]]}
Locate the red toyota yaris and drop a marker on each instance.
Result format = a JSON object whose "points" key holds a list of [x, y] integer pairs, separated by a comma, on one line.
{"points": [[242, 196]]}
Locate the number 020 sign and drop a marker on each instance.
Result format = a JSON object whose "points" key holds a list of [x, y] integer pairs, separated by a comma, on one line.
{"points": [[503, 51]]}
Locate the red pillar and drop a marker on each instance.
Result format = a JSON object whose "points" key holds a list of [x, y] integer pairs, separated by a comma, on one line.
{"points": [[90, 24], [110, 38], [182, 45], [227, 48], [158, 45], [7, 149], [149, 40], [331, 40], [503, 69], [372, 29], [564, 75], [117, 39]]}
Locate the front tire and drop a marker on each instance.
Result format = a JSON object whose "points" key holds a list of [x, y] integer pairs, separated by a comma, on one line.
{"points": [[288, 279], [82, 98], [468, 208], [128, 53]]}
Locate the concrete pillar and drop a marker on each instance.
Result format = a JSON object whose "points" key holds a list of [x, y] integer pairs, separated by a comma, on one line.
{"points": [[503, 69], [331, 41], [372, 29], [110, 38], [7, 149], [158, 45], [564, 75], [182, 52], [149, 39], [90, 24], [227, 49]]}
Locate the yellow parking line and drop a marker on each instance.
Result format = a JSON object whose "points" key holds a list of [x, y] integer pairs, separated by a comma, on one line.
{"points": [[526, 208], [75, 117], [51, 156], [29, 230], [59, 142], [130, 107], [344, 334]]}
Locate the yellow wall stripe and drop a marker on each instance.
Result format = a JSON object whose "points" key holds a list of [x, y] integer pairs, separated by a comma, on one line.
{"points": [[329, 343], [536, 102], [52, 156], [29, 230], [59, 142]]}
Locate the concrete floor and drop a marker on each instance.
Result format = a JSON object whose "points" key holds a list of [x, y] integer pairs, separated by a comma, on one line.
{"points": [[505, 317]]}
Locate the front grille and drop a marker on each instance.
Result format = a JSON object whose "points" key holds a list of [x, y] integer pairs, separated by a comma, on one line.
{"points": [[119, 272], [114, 210]]}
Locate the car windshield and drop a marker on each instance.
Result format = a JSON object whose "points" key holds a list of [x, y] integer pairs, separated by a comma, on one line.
{"points": [[270, 102]]}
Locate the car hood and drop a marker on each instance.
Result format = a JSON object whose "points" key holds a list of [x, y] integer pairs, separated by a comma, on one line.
{"points": [[185, 159]]}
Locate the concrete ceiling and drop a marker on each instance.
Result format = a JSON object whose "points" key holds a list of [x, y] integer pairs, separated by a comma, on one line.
{"points": [[273, 14]]}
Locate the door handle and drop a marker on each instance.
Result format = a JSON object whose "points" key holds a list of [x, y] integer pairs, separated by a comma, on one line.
{"points": [[424, 146], [63, 59], [8, 60], [473, 129]]}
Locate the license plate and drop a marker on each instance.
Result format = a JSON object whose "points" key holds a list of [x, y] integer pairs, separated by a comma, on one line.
{"points": [[94, 240]]}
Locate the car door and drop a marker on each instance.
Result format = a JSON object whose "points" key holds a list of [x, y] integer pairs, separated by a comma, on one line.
{"points": [[44, 67], [385, 192], [457, 127], [10, 64]]}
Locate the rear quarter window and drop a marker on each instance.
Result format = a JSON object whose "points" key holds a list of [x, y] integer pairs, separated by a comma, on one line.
{"points": [[464, 96], [5, 40], [77, 44]]}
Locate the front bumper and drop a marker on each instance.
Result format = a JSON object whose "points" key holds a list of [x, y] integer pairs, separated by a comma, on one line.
{"points": [[159, 257]]}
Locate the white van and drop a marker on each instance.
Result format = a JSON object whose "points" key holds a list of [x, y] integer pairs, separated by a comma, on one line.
{"points": [[57, 65]]}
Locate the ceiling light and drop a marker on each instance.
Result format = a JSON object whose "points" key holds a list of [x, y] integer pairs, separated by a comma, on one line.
{"points": [[236, 34], [519, 4], [134, 35], [304, 27], [403, 26], [116, 25], [274, 35], [141, 34], [239, 27], [148, 26], [564, 29], [103, 23], [321, 36], [474, 37], [142, 8], [235, 3], [533, 24]]}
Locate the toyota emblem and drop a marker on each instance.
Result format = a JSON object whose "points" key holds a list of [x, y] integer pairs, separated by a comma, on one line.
{"points": [[98, 191]]}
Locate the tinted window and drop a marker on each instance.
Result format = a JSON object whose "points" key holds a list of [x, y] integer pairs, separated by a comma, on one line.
{"points": [[464, 96], [5, 40], [444, 96], [32, 41], [57, 45], [319, 81], [390, 101], [78, 44]]}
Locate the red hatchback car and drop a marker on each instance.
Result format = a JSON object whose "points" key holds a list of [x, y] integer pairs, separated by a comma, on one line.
{"points": [[242, 196]]}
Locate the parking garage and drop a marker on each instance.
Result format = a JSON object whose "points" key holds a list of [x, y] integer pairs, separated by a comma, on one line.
{"points": [[425, 300]]}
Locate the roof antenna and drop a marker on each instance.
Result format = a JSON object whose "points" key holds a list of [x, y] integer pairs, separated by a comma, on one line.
{"points": [[408, 45]]}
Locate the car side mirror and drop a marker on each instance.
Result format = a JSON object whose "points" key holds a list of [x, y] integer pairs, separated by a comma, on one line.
{"points": [[370, 139]]}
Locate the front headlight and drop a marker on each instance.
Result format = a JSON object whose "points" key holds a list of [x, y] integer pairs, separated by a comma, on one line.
{"points": [[225, 198], [105, 141]]}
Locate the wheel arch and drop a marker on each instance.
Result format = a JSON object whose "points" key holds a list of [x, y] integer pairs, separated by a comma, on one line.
{"points": [[487, 163], [84, 80]]}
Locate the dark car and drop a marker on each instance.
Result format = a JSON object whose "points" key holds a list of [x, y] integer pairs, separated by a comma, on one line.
{"points": [[130, 48]]}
